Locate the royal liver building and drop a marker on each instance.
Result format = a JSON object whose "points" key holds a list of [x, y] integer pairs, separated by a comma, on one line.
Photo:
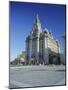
{"points": [[41, 48]]}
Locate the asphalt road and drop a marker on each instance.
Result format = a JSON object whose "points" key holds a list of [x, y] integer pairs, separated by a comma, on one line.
{"points": [[32, 76]]}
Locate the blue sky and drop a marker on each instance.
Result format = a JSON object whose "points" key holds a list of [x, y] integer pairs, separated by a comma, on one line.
{"points": [[22, 16]]}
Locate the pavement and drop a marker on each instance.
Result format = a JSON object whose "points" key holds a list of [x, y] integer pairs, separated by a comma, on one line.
{"points": [[33, 76]]}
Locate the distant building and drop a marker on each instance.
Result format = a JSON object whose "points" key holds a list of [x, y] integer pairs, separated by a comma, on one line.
{"points": [[20, 59], [41, 48]]}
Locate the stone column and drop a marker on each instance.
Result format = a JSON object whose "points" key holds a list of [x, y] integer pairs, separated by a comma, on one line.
{"points": [[30, 49], [40, 51], [45, 50], [37, 50]]}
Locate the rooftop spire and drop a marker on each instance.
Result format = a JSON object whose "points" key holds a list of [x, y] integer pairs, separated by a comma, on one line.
{"points": [[37, 19], [37, 24]]}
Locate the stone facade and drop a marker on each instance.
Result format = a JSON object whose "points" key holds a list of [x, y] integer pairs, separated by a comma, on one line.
{"points": [[41, 48], [64, 51]]}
